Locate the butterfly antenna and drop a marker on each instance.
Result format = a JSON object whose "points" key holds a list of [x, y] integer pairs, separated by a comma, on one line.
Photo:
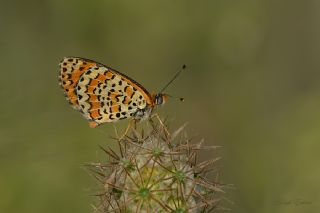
{"points": [[174, 77]]}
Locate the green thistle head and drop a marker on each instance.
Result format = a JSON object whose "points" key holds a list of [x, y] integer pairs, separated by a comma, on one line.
{"points": [[156, 172]]}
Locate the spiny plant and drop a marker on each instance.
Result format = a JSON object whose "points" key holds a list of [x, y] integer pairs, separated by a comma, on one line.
{"points": [[156, 171]]}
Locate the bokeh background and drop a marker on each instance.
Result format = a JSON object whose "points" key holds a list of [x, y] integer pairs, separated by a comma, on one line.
{"points": [[251, 86]]}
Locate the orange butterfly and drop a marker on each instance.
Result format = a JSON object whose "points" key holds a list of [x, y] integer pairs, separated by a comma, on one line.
{"points": [[103, 94]]}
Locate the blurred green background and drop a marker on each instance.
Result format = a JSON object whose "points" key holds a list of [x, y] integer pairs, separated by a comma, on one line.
{"points": [[252, 86]]}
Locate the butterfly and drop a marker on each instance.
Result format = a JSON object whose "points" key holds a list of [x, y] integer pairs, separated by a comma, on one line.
{"points": [[103, 94]]}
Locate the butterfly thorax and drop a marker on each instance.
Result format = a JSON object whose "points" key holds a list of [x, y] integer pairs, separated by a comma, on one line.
{"points": [[143, 114], [157, 100]]}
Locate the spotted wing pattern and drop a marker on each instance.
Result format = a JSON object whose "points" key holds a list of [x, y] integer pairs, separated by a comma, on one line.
{"points": [[100, 93]]}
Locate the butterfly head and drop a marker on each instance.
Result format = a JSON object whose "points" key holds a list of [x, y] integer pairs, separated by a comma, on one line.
{"points": [[160, 99]]}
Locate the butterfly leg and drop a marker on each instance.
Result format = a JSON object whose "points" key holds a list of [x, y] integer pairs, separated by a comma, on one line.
{"points": [[126, 131], [135, 123], [162, 124]]}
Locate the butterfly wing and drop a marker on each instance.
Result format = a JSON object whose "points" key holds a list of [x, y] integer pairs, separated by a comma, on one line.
{"points": [[100, 93]]}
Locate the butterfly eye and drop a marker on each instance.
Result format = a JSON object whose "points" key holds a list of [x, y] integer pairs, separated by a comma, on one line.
{"points": [[159, 99]]}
